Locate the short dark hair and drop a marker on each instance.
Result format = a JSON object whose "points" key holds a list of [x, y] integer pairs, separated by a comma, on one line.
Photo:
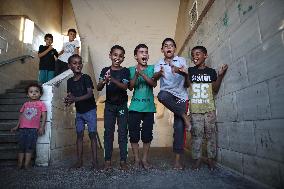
{"points": [[72, 30], [74, 56], [169, 39], [34, 85], [138, 47], [48, 35], [202, 48], [117, 47]]}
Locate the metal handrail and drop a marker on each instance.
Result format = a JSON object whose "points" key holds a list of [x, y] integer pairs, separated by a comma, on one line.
{"points": [[21, 58]]}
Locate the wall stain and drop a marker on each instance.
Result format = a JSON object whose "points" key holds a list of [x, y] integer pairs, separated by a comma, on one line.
{"points": [[225, 19], [244, 10]]}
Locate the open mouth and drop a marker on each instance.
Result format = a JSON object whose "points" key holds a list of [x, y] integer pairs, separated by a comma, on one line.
{"points": [[195, 60], [169, 51], [144, 59]]}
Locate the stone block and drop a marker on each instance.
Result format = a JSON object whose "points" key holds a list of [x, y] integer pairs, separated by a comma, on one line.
{"points": [[42, 154], [245, 38], [241, 137], [263, 170], [269, 139], [276, 94], [233, 160], [264, 62], [47, 93], [236, 77], [253, 102], [271, 14], [222, 134], [226, 108]]}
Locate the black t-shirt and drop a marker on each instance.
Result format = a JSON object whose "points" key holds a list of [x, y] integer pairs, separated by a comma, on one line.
{"points": [[47, 62], [79, 88], [114, 94], [206, 75]]}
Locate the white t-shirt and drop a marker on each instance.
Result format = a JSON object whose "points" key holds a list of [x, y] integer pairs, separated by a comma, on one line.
{"points": [[172, 82], [69, 49]]}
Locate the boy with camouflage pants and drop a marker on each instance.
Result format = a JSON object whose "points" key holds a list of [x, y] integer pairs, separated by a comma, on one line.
{"points": [[204, 84]]}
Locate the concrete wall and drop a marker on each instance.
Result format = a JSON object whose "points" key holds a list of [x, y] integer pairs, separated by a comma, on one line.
{"points": [[248, 36], [103, 24], [47, 18]]}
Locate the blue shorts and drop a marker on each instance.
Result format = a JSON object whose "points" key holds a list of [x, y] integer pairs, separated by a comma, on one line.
{"points": [[89, 118], [27, 140], [45, 76]]}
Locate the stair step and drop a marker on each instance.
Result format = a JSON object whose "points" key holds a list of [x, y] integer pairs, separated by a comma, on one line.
{"points": [[9, 115], [9, 147], [26, 82], [8, 154], [8, 162], [7, 126], [10, 108], [13, 95], [15, 90], [8, 137], [13, 101]]}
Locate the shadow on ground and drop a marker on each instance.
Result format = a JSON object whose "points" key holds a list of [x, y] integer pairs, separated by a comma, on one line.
{"points": [[161, 176]]}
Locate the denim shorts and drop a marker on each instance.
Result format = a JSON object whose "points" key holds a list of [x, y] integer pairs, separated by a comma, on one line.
{"points": [[27, 140], [89, 118]]}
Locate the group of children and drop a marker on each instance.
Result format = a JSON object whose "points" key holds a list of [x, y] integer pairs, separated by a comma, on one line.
{"points": [[53, 63], [175, 79]]}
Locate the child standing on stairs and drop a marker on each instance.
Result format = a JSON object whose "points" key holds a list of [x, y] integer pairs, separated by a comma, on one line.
{"points": [[29, 125]]}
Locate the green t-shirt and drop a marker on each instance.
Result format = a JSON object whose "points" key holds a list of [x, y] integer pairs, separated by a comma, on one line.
{"points": [[143, 97]]}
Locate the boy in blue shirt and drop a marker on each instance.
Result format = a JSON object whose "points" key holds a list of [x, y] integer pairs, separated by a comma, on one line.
{"points": [[116, 80], [171, 70]]}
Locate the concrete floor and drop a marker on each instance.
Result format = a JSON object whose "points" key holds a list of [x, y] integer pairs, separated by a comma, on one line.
{"points": [[161, 176]]}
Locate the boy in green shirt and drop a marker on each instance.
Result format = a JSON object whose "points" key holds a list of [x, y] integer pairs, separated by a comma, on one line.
{"points": [[142, 107]]}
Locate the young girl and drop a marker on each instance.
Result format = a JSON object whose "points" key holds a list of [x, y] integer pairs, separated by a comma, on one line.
{"points": [[29, 124]]}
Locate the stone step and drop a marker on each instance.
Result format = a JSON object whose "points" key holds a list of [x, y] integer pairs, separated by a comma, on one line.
{"points": [[13, 95], [8, 154], [8, 137], [8, 162], [13, 101], [10, 108], [8, 125], [26, 82], [9, 115], [15, 91], [9, 147]]}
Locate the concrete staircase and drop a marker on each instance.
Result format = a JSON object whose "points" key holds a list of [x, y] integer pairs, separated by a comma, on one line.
{"points": [[10, 104]]}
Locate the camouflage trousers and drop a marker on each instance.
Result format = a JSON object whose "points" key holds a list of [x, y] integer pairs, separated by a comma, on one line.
{"points": [[203, 127]]}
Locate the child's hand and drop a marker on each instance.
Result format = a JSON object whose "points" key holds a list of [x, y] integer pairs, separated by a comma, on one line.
{"points": [[183, 71], [50, 47], [162, 71], [41, 131], [223, 70], [138, 71], [107, 77], [14, 129], [69, 99]]}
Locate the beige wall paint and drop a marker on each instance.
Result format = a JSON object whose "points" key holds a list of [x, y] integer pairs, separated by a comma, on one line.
{"points": [[103, 24], [45, 14], [68, 18]]}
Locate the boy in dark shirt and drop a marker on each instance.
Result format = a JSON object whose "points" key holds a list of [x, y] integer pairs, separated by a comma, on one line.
{"points": [[204, 84], [80, 90], [47, 55], [116, 79]]}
